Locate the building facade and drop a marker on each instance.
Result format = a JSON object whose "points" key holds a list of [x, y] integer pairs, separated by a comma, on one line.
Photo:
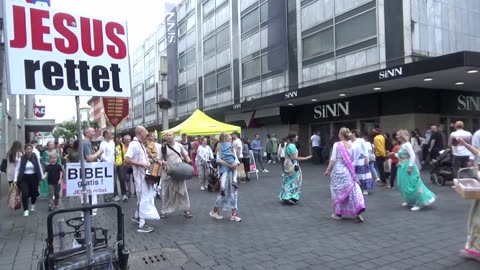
{"points": [[272, 66]]}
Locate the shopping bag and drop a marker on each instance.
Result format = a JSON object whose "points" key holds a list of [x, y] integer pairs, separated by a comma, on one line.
{"points": [[241, 171], [14, 198]]}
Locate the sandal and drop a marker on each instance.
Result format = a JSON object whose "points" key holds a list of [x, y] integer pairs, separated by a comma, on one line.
{"points": [[163, 215], [188, 214]]}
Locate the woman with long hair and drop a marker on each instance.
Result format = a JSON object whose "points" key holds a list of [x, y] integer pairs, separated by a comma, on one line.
{"points": [[361, 162], [28, 175], [292, 176], [13, 157], [203, 155], [416, 142], [410, 185], [347, 195]]}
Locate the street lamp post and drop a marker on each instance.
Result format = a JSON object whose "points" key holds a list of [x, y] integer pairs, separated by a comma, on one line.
{"points": [[163, 102]]}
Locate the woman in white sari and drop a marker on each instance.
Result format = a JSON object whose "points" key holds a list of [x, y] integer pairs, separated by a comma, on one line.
{"points": [[472, 247]]}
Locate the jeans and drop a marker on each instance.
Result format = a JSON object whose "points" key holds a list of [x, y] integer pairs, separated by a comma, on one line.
{"points": [[373, 170], [122, 178], [29, 188], [380, 160], [316, 155], [459, 162], [393, 174]]}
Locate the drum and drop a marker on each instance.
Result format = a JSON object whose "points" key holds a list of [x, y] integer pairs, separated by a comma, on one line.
{"points": [[180, 171]]}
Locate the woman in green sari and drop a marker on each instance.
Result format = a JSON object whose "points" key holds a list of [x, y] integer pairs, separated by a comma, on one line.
{"points": [[472, 247], [410, 185], [292, 177], [45, 160]]}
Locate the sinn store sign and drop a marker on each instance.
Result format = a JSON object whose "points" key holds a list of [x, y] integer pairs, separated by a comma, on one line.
{"points": [[331, 110], [468, 103], [390, 73]]}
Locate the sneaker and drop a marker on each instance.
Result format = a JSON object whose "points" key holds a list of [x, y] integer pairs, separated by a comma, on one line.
{"points": [[415, 208], [202, 188], [116, 198], [25, 213], [265, 170], [365, 192], [236, 218], [145, 229], [336, 217], [269, 162], [32, 208], [405, 204], [124, 198], [136, 220], [235, 185], [215, 215], [222, 192]]}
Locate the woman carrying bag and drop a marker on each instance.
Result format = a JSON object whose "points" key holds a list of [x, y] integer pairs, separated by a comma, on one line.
{"points": [[28, 175]]}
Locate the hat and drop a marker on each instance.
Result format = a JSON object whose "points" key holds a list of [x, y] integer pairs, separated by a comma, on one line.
{"points": [[377, 130]]}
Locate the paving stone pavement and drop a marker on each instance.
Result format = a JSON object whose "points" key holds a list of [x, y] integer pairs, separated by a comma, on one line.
{"points": [[277, 236]]}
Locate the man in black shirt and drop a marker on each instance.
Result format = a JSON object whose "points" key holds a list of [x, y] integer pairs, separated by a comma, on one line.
{"points": [[436, 143]]}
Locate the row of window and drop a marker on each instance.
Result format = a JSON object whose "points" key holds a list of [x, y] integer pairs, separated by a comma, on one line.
{"points": [[217, 40], [216, 81], [332, 36], [254, 18], [255, 67], [150, 106], [186, 93], [186, 59], [209, 6]]}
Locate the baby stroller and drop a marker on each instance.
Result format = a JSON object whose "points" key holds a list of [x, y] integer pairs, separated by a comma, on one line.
{"points": [[214, 178], [105, 255], [442, 170]]}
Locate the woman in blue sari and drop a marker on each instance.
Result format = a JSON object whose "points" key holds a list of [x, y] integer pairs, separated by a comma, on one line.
{"points": [[347, 195], [292, 176], [410, 185]]}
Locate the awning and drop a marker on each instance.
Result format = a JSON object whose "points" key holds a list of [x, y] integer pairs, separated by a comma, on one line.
{"points": [[199, 124], [41, 125]]}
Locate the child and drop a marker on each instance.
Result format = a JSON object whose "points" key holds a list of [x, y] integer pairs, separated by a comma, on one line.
{"points": [[54, 173], [227, 154], [393, 173]]}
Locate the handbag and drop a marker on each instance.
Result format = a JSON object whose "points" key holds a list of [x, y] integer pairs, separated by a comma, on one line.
{"points": [[241, 171], [3, 166]]}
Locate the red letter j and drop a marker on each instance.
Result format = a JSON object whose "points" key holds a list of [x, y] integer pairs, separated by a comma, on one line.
{"points": [[19, 28]]}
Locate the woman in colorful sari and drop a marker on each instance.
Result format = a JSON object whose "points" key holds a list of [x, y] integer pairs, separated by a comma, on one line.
{"points": [[409, 183], [292, 177], [472, 247], [361, 162], [347, 195]]}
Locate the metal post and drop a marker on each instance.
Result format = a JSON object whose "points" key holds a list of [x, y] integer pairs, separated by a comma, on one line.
{"points": [[164, 111], [61, 232], [86, 214]]}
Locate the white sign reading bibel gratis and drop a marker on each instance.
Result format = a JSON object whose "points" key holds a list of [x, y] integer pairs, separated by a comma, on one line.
{"points": [[52, 52], [98, 177]]}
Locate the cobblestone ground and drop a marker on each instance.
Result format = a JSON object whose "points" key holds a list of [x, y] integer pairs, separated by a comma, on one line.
{"points": [[273, 235]]}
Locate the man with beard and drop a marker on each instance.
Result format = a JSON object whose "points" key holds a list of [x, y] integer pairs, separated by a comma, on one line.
{"points": [[174, 193], [137, 156]]}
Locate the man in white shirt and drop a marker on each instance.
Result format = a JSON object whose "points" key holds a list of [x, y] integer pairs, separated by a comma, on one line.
{"points": [[315, 143], [137, 156], [462, 157], [108, 155], [34, 143]]}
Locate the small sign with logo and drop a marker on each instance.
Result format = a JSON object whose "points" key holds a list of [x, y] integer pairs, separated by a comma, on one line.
{"points": [[39, 111], [116, 109]]}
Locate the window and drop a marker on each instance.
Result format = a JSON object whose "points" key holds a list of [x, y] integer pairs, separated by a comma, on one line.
{"points": [[356, 29], [250, 20], [264, 12], [182, 94], [190, 57], [265, 63], [149, 82], [150, 106], [223, 78], [210, 83], [222, 36], [251, 69], [192, 91], [181, 61], [209, 45], [318, 43], [208, 7], [182, 28]]}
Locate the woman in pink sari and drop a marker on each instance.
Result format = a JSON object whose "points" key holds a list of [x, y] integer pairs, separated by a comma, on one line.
{"points": [[347, 195]]}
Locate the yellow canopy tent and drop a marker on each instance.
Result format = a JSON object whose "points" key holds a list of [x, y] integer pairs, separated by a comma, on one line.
{"points": [[199, 124]]}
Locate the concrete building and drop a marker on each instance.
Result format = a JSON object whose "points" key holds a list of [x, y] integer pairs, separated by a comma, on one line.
{"points": [[273, 66]]}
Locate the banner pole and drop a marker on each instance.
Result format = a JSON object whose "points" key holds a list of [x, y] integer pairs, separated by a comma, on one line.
{"points": [[86, 213]]}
